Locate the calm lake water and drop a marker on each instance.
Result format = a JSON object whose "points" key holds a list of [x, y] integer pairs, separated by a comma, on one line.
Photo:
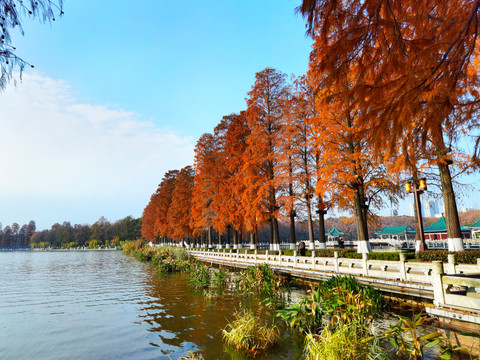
{"points": [[106, 305]]}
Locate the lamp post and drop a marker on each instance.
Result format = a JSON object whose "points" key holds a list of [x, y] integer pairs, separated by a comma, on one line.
{"points": [[417, 188]]}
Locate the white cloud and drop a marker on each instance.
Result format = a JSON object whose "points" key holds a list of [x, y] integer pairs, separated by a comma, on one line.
{"points": [[54, 147]]}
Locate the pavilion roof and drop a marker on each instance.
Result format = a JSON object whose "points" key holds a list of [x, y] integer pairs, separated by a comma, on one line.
{"points": [[440, 225]]}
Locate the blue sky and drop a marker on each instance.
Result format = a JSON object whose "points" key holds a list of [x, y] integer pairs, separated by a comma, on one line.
{"points": [[120, 93]]}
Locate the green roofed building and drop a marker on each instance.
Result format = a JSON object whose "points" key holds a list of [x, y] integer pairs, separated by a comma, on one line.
{"points": [[438, 231], [475, 229], [396, 233]]}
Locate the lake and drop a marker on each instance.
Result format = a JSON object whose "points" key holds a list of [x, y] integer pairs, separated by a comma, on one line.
{"points": [[107, 305]]}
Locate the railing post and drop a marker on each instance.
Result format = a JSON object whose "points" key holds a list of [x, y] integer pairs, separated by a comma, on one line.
{"points": [[365, 263], [280, 257], [295, 259], [335, 261], [266, 256], [452, 262], [403, 270], [478, 264], [437, 273], [313, 260], [255, 256]]}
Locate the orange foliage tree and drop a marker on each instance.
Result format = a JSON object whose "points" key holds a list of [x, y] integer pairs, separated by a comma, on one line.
{"points": [[178, 215], [204, 187], [304, 153], [262, 177], [231, 140], [154, 220], [415, 84], [349, 171]]}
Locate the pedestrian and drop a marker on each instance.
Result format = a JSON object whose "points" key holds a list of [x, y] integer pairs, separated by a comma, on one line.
{"points": [[301, 248], [340, 242]]}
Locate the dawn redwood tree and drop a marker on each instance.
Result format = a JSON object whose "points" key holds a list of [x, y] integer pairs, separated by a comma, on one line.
{"points": [[155, 224], [305, 153], [204, 188], [263, 179], [415, 75], [231, 141], [349, 172], [11, 13], [178, 215]]}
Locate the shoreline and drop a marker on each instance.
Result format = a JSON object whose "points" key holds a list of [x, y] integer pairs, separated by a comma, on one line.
{"points": [[58, 250]]}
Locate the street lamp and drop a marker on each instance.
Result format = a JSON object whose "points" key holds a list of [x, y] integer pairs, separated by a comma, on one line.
{"points": [[417, 188]]}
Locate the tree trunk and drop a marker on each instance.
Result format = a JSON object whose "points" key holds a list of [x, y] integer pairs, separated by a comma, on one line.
{"points": [[235, 239], [276, 235], [227, 242], [293, 237], [455, 242], [271, 241], [209, 237], [311, 238], [321, 229], [362, 226], [253, 239]]}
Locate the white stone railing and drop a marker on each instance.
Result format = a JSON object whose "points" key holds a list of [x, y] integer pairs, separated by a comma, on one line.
{"points": [[402, 270], [455, 291]]}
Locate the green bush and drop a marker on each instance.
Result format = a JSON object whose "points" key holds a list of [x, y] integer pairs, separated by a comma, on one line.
{"points": [[463, 257], [389, 256]]}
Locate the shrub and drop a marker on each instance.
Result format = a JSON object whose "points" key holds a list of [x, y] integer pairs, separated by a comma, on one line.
{"points": [[130, 246], [464, 257]]}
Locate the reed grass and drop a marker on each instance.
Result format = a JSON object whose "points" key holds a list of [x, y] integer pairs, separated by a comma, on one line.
{"points": [[247, 334]]}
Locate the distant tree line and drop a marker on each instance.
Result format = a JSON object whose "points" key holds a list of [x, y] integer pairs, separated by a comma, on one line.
{"points": [[102, 232], [16, 237]]}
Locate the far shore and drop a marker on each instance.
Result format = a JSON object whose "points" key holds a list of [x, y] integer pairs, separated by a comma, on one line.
{"points": [[73, 249]]}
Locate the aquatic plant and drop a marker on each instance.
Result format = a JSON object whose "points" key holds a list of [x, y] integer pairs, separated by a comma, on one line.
{"points": [[192, 356], [351, 284], [220, 279], [347, 341], [247, 334], [305, 316], [261, 280], [337, 300], [411, 349], [199, 276]]}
